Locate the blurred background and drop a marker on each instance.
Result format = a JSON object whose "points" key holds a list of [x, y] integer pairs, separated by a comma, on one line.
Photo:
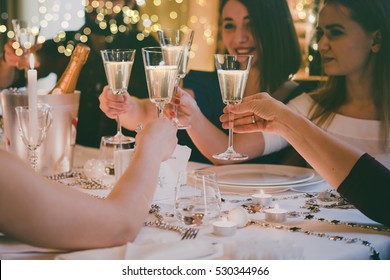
{"points": [[56, 16]]}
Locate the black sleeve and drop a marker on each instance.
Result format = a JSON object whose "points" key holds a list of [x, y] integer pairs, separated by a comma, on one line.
{"points": [[368, 188]]}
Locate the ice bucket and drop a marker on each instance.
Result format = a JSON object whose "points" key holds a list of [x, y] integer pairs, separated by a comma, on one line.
{"points": [[55, 155]]}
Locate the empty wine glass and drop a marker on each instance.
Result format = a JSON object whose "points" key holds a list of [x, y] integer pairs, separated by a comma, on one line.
{"points": [[232, 75], [161, 70], [197, 197], [172, 41], [118, 64], [33, 128]]}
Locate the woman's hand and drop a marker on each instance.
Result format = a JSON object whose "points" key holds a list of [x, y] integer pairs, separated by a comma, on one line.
{"points": [[186, 107], [259, 112], [158, 138], [114, 104], [19, 61]]}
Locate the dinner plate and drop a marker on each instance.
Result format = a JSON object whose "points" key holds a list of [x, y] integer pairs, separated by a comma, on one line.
{"points": [[265, 175]]}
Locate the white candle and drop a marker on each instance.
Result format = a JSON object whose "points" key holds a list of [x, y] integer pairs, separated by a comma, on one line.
{"points": [[262, 199], [275, 215], [224, 227], [239, 216], [32, 101]]}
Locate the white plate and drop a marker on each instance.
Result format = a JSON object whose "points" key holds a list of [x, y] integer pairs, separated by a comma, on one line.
{"points": [[313, 185], [265, 175]]}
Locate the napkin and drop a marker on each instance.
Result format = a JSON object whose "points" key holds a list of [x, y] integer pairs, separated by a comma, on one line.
{"points": [[179, 250], [169, 171]]}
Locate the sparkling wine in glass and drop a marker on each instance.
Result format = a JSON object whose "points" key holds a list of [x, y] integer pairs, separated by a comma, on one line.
{"points": [[233, 73], [118, 64], [174, 41], [161, 71], [26, 36], [33, 133]]}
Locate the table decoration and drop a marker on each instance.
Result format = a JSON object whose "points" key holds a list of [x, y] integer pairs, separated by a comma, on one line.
{"points": [[262, 198], [224, 227], [239, 216], [276, 214], [374, 254]]}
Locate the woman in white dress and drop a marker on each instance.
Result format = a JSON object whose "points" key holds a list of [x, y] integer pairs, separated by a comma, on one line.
{"points": [[354, 103]]}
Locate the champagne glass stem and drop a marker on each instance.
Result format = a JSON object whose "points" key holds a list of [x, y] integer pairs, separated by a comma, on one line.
{"points": [[33, 157], [118, 125], [160, 107], [175, 120], [230, 139]]}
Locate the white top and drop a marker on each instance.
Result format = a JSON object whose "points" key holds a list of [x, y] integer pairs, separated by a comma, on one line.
{"points": [[362, 134]]}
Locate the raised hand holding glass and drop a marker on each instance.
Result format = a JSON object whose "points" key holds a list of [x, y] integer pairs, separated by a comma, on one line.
{"points": [[161, 69], [233, 73], [118, 64]]}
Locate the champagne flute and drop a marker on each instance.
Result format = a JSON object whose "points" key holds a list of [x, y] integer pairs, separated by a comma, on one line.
{"points": [[232, 75], [161, 71], [172, 40], [33, 136], [26, 36], [118, 64]]}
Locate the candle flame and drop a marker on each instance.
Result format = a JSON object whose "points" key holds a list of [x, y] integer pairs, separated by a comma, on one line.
{"points": [[261, 191], [32, 61]]}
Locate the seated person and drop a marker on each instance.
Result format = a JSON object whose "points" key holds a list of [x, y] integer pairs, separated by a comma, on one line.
{"points": [[44, 213], [354, 174]]}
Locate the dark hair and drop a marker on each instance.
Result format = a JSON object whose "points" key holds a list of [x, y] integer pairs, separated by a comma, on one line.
{"points": [[371, 15], [273, 29]]}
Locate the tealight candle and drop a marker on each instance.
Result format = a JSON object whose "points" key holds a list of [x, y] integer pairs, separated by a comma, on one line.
{"points": [[224, 227], [239, 216], [32, 101], [262, 199], [275, 215]]}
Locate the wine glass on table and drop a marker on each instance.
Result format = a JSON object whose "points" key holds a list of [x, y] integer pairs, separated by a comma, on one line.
{"points": [[118, 64], [33, 125], [232, 75], [161, 71], [172, 41]]}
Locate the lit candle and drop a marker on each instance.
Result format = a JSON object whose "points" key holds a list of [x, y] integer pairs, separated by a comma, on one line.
{"points": [[224, 227], [262, 199], [32, 101], [276, 214]]}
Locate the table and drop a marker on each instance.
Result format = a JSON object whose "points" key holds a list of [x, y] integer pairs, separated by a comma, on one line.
{"points": [[326, 234]]}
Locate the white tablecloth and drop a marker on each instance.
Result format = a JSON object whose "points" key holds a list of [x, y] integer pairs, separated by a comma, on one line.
{"points": [[312, 239]]}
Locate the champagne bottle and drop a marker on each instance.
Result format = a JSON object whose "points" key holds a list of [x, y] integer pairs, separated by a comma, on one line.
{"points": [[67, 82]]}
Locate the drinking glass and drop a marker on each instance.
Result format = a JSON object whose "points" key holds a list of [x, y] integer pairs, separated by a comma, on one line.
{"points": [[197, 197], [33, 131], [232, 75], [107, 153], [171, 41], [161, 70], [118, 64], [26, 36]]}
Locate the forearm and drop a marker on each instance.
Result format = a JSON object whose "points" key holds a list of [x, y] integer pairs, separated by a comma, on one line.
{"points": [[332, 159], [53, 215]]}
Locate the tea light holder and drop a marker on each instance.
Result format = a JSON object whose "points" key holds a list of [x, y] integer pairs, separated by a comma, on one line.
{"points": [[224, 227], [262, 199], [239, 216], [276, 214]]}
